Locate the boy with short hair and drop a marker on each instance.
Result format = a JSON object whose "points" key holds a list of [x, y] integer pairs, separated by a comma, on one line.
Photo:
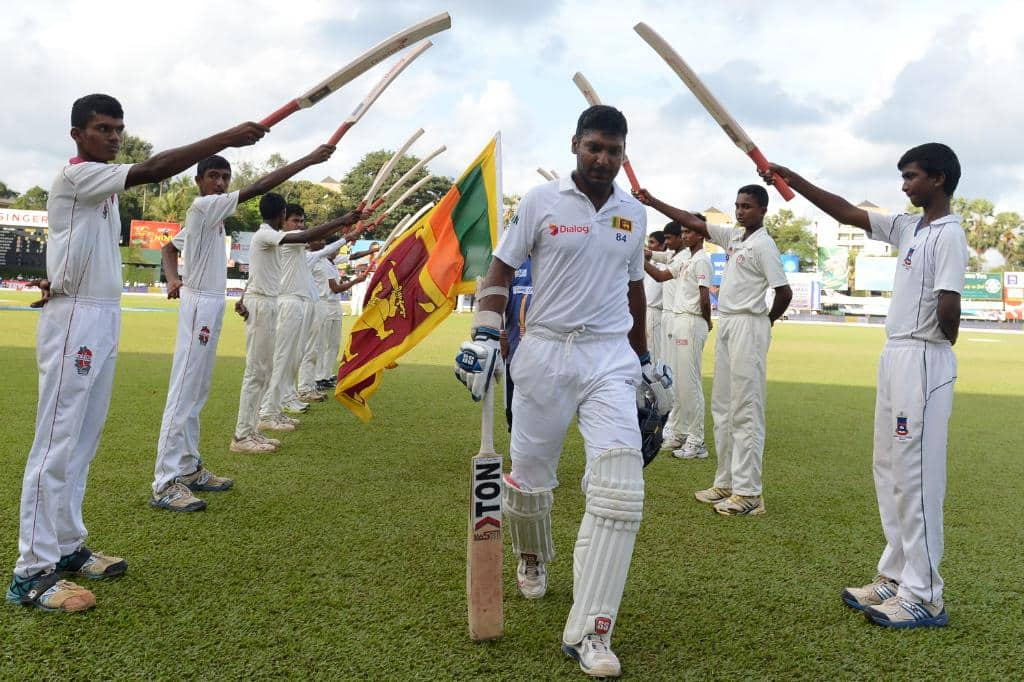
{"points": [[741, 349], [76, 346], [916, 374], [179, 471]]}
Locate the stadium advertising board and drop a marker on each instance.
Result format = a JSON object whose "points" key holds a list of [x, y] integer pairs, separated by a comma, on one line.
{"points": [[240, 243], [19, 218], [832, 264], [806, 288], [790, 263], [151, 234], [873, 273], [717, 268], [1013, 295], [983, 286]]}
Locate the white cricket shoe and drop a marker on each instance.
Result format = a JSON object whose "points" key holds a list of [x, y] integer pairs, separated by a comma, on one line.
{"points": [[263, 439], [250, 444], [673, 443], [595, 656], [691, 451], [872, 594], [276, 424], [295, 407], [311, 397], [531, 577]]}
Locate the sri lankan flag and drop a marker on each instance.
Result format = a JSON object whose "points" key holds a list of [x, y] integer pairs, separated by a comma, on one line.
{"points": [[419, 276]]}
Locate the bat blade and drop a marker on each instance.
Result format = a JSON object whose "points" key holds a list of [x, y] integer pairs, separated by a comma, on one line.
{"points": [[710, 103], [484, 552], [361, 64]]}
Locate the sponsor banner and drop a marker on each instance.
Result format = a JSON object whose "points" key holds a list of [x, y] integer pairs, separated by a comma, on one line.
{"points": [[832, 264], [1013, 288], [983, 286], [151, 234], [240, 243], [717, 268], [806, 288], [790, 263], [21, 218], [872, 273]]}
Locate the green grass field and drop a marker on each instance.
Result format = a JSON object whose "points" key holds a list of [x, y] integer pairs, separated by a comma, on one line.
{"points": [[342, 556]]}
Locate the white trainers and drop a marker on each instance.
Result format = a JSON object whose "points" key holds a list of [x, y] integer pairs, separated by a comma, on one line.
{"points": [[741, 505], [311, 397], [276, 424], [295, 407], [595, 656], [263, 439], [673, 443], [899, 612], [249, 444], [872, 594], [288, 420], [531, 577], [712, 495], [691, 451]]}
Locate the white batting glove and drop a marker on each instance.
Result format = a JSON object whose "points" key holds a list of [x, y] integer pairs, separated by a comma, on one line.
{"points": [[479, 361], [657, 378]]}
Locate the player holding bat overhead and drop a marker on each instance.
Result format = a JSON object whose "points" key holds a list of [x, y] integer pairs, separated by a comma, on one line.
{"points": [[584, 355], [916, 374], [201, 286], [77, 348], [741, 349]]}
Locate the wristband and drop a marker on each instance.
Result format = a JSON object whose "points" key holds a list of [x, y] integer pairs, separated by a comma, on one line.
{"points": [[487, 333], [645, 359]]}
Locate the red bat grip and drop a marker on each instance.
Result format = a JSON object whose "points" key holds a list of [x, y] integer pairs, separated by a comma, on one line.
{"points": [[339, 133], [281, 114], [762, 164], [633, 182]]}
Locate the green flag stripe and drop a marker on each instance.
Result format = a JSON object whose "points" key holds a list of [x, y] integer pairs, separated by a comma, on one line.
{"points": [[472, 224]]}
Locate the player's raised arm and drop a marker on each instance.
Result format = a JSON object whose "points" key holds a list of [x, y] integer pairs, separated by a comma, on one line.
{"points": [[656, 273], [682, 217], [833, 204], [275, 178], [321, 231], [173, 161]]}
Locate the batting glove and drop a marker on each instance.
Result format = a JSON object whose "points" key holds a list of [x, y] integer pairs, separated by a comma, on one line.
{"points": [[479, 361], [657, 379]]}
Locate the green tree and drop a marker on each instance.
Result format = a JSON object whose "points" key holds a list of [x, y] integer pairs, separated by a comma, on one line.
{"points": [[172, 203], [6, 192], [792, 236], [34, 199], [358, 180]]}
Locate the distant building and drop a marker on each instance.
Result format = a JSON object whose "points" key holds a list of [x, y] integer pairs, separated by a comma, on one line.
{"points": [[331, 184], [857, 240], [716, 217]]}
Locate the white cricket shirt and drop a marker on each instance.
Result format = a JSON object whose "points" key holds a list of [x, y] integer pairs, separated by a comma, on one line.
{"points": [[930, 259], [751, 268], [670, 288], [82, 254], [295, 277], [201, 242], [264, 263], [653, 289], [690, 276], [582, 258]]}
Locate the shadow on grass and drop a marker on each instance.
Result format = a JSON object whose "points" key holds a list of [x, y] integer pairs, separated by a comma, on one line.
{"points": [[343, 555]]}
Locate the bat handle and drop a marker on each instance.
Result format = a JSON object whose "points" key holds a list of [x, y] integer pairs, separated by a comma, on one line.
{"points": [[762, 164], [487, 421], [633, 182], [281, 114], [339, 133], [376, 204]]}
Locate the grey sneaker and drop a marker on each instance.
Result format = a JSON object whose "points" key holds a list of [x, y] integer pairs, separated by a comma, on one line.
{"points": [[176, 496], [204, 480]]}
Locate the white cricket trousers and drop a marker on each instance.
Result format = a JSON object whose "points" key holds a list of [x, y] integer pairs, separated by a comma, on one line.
{"points": [[291, 313], [689, 334], [912, 409], [76, 350], [200, 317], [738, 399], [260, 330], [314, 348], [358, 295], [655, 332], [557, 377], [328, 365]]}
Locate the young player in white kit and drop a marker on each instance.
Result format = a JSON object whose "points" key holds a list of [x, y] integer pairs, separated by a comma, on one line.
{"points": [[690, 307], [179, 470], [584, 355], [753, 266], [673, 256], [258, 307], [916, 374], [653, 294], [76, 346]]}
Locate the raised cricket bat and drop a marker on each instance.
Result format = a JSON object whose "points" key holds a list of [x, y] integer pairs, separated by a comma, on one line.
{"points": [[545, 174], [590, 95], [361, 65], [484, 551], [385, 170], [713, 106]]}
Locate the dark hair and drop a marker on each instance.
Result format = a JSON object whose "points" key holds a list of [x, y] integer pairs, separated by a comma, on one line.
{"points": [[935, 158], [756, 191], [271, 206], [602, 118], [215, 161], [701, 216], [84, 108], [673, 228], [294, 209], [657, 236]]}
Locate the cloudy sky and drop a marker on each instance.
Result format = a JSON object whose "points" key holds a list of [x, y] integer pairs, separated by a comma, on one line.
{"points": [[837, 90]]}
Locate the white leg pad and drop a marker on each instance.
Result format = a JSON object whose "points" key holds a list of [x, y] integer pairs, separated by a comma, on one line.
{"points": [[604, 546], [529, 520]]}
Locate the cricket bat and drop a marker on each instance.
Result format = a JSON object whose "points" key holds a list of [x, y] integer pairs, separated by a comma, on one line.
{"points": [[361, 65], [484, 551], [711, 104], [590, 95]]}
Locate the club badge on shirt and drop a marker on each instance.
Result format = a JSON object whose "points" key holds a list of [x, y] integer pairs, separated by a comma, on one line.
{"points": [[907, 260]]}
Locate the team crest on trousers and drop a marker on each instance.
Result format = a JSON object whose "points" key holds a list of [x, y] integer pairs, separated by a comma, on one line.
{"points": [[902, 430], [83, 361], [602, 625], [204, 335]]}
